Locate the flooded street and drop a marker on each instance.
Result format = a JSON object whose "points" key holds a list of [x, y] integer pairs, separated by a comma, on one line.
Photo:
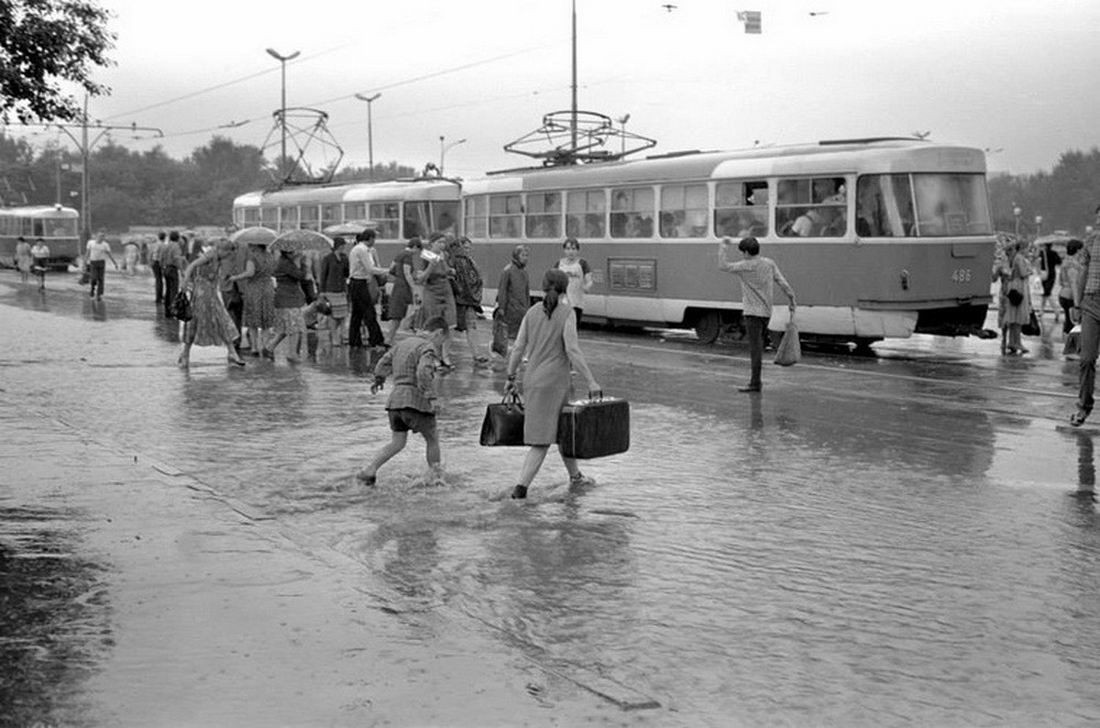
{"points": [[890, 540]]}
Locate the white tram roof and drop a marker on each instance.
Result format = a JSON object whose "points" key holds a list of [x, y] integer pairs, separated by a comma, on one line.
{"points": [[881, 156], [53, 211], [351, 192]]}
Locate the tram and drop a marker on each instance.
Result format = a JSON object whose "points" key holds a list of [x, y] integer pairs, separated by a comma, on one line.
{"points": [[57, 226], [879, 237]]}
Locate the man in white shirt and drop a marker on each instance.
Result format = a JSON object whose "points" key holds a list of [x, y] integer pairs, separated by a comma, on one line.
{"points": [[98, 252], [363, 291]]}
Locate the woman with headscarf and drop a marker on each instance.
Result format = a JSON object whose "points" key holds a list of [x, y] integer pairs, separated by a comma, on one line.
{"points": [[439, 298], [467, 283], [548, 340], [210, 324], [258, 291], [1014, 272], [513, 293]]}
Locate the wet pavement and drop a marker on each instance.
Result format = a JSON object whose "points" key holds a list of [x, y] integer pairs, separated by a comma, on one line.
{"points": [[891, 540]]}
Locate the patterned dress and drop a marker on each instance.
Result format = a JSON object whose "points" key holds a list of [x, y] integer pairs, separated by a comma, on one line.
{"points": [[211, 323], [259, 293]]}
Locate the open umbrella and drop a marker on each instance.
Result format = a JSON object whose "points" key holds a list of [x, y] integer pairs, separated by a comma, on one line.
{"points": [[352, 227], [301, 240], [1054, 239], [254, 236]]}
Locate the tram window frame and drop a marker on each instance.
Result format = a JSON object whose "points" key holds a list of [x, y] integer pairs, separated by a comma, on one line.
{"points": [[444, 214], [891, 218], [741, 208], [944, 209], [821, 200], [288, 218], [250, 217], [388, 216], [330, 215], [269, 217], [506, 215], [355, 211], [309, 217], [586, 213], [475, 216], [631, 217], [683, 215], [416, 219], [543, 219]]}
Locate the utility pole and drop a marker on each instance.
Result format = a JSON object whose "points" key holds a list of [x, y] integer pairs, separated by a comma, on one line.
{"points": [[282, 114], [370, 134]]}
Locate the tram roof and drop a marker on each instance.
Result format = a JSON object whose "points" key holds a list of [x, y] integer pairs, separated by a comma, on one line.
{"points": [[429, 189], [39, 211], [872, 155]]}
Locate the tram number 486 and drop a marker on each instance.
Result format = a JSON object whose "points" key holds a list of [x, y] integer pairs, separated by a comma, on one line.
{"points": [[961, 275]]}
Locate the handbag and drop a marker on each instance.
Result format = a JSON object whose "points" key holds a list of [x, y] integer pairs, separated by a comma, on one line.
{"points": [[85, 276], [503, 424], [1032, 327], [789, 350], [181, 307], [1015, 297]]}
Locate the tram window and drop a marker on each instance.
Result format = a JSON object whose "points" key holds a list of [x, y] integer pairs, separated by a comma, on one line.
{"points": [[741, 209], [310, 218], [355, 211], [476, 216], [445, 216], [812, 207], [250, 216], [330, 215], [684, 211], [585, 214], [632, 213], [544, 215], [884, 205], [270, 217], [951, 204], [417, 220], [387, 215], [505, 216], [288, 218]]}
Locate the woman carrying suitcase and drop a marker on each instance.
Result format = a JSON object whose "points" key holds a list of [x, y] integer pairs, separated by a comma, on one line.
{"points": [[548, 339]]}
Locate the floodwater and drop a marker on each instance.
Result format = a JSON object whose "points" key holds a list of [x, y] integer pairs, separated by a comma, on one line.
{"points": [[900, 540]]}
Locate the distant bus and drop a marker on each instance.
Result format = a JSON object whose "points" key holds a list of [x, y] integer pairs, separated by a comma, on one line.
{"points": [[879, 237], [57, 226], [400, 209]]}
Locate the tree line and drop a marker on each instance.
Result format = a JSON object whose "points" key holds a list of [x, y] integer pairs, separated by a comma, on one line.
{"points": [[151, 188]]}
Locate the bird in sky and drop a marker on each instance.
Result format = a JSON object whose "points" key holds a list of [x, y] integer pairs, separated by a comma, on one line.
{"points": [[669, 7], [815, 13]]}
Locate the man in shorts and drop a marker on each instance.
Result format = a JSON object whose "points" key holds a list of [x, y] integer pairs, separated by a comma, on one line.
{"points": [[413, 362]]}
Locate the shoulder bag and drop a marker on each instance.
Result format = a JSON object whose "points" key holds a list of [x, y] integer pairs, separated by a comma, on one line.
{"points": [[503, 424], [181, 307]]}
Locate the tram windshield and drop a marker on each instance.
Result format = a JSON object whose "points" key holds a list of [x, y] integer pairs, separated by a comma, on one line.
{"points": [[922, 205], [425, 218]]}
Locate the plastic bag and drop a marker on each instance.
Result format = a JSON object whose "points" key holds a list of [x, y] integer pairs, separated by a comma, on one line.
{"points": [[789, 350]]}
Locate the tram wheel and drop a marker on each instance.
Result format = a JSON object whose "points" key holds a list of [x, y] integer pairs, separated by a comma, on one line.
{"points": [[708, 327]]}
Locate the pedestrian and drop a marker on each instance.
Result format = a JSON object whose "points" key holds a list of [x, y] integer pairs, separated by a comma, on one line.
{"points": [[153, 256], [258, 294], [98, 252], [547, 340], [334, 287], [580, 275], [130, 259], [1087, 312], [438, 296], [363, 291], [1014, 310], [1049, 260], [405, 300], [411, 406], [513, 294], [172, 264], [759, 276], [289, 301], [210, 324], [229, 266], [40, 259], [23, 259], [467, 284], [1069, 278]]}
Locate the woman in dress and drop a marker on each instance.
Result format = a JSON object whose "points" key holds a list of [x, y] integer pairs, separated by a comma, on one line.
{"points": [[23, 259], [439, 298], [580, 275], [1069, 277], [334, 286], [40, 256], [289, 301], [1014, 272], [467, 290], [405, 299], [548, 340], [210, 324], [258, 292]]}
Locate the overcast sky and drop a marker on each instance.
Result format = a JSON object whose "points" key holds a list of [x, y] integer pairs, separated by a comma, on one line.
{"points": [[1018, 77]]}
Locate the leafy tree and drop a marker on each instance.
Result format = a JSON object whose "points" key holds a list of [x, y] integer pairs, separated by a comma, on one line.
{"points": [[42, 43]]}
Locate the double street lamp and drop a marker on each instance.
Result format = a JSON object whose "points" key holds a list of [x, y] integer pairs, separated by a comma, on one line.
{"points": [[282, 114], [443, 150], [370, 134]]}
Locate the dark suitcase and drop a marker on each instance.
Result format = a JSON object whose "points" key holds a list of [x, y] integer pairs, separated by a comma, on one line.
{"points": [[594, 428]]}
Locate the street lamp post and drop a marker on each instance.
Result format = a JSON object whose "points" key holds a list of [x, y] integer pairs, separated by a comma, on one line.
{"points": [[443, 150], [1038, 225], [282, 113], [1016, 212], [370, 134]]}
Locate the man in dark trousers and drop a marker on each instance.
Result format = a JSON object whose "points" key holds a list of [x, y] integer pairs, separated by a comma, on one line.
{"points": [[363, 291], [172, 264], [1086, 311]]}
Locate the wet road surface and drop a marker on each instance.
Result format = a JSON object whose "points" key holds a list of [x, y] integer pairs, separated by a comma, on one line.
{"points": [[873, 541]]}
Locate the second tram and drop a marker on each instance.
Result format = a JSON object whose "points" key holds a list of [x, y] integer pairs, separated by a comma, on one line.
{"points": [[56, 225]]}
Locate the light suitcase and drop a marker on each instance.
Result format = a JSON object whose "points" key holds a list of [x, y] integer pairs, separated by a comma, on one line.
{"points": [[594, 428]]}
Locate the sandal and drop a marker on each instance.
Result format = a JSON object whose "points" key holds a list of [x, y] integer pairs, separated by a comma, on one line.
{"points": [[1078, 418]]}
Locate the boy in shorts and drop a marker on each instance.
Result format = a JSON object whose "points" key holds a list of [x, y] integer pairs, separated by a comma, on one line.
{"points": [[413, 362]]}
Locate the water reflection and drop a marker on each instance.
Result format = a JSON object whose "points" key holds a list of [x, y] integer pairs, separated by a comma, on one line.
{"points": [[1086, 466], [93, 309]]}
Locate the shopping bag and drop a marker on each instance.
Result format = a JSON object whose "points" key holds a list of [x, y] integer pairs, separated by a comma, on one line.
{"points": [[181, 307], [790, 350], [1072, 347], [594, 428], [500, 334], [503, 424]]}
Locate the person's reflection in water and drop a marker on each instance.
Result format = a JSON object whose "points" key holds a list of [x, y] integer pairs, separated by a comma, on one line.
{"points": [[93, 309], [410, 569], [1086, 468]]}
